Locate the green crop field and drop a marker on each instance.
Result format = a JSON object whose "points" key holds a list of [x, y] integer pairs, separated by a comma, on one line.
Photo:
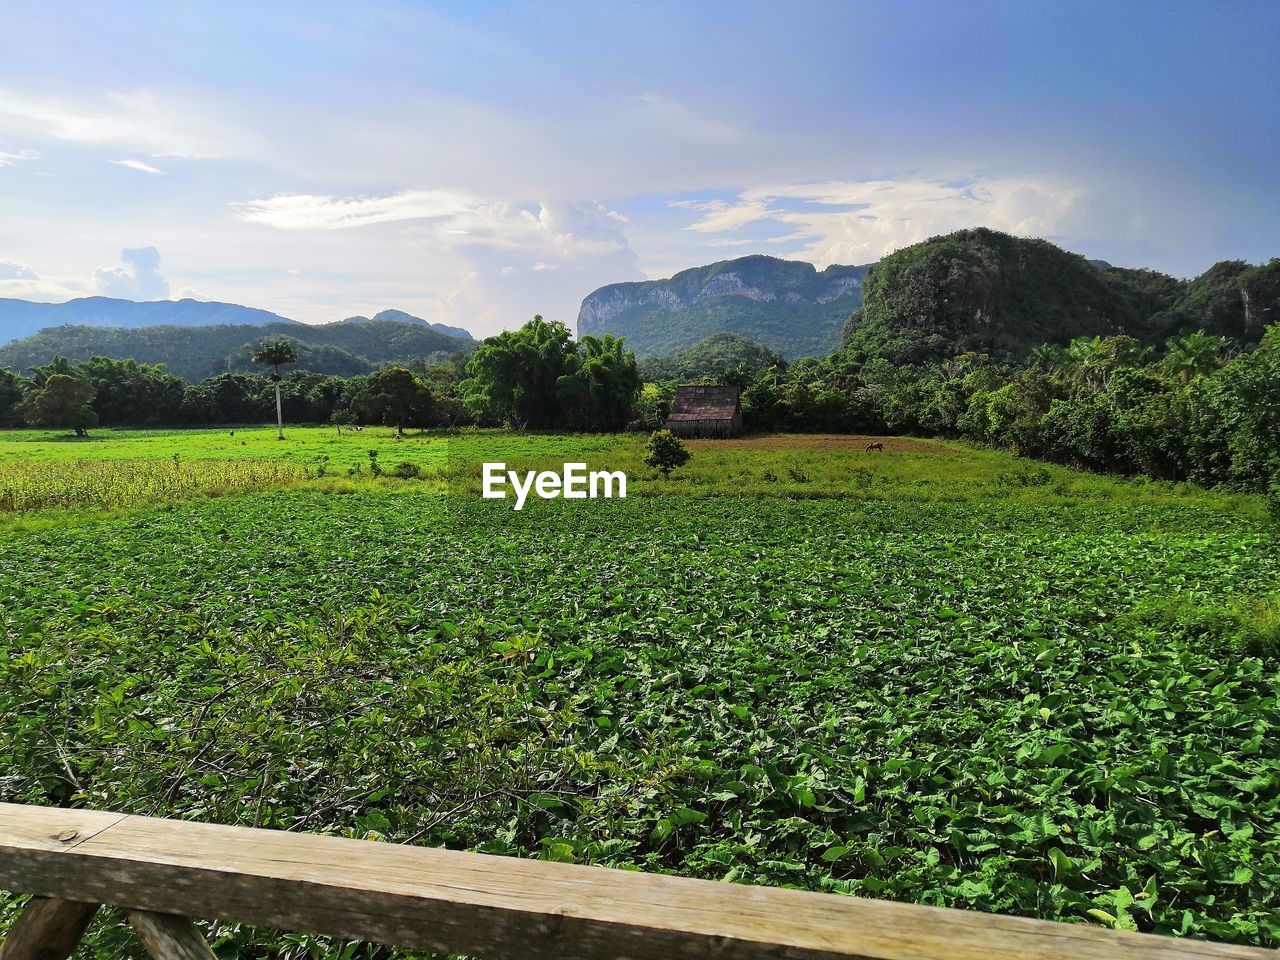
{"points": [[936, 674]]}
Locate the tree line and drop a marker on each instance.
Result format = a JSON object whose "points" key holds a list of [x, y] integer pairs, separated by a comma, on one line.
{"points": [[1200, 408], [537, 377]]}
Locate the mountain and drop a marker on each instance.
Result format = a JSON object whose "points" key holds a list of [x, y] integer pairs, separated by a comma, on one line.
{"points": [[786, 305], [194, 353], [402, 317], [21, 318], [981, 290]]}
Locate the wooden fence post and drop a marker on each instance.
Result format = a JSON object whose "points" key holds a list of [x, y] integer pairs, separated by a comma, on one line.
{"points": [[169, 937], [47, 929]]}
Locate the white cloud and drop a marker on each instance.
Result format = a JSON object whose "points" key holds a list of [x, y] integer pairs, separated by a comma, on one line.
{"points": [[10, 270], [158, 125], [137, 278], [451, 219], [843, 221], [9, 156], [138, 165], [22, 282], [311, 212]]}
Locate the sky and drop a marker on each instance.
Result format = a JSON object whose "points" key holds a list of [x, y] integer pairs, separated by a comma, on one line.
{"points": [[475, 163]]}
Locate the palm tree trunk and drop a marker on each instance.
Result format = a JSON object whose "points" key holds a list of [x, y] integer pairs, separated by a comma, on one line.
{"points": [[279, 414]]}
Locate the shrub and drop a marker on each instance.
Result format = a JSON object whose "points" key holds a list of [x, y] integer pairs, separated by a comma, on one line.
{"points": [[665, 452], [407, 471]]}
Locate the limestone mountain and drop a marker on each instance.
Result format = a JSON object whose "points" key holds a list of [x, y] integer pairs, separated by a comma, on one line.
{"points": [[787, 305], [985, 291]]}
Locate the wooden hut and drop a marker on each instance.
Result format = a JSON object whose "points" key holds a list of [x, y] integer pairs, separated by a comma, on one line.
{"points": [[705, 411]]}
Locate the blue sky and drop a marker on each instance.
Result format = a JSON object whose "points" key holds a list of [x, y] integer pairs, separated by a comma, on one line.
{"points": [[475, 163]]}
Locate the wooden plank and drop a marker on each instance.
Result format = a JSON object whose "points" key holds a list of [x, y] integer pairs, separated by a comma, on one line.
{"points": [[498, 907], [47, 929], [169, 937]]}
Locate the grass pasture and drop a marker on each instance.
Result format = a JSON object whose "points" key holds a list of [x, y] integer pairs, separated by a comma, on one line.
{"points": [[935, 674]]}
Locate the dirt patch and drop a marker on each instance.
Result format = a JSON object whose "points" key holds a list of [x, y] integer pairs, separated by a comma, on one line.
{"points": [[825, 441]]}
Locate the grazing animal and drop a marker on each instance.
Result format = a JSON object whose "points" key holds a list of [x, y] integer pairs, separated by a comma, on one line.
{"points": [[233, 433], [875, 446]]}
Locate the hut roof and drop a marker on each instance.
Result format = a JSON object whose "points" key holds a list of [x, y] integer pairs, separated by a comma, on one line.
{"points": [[704, 402]]}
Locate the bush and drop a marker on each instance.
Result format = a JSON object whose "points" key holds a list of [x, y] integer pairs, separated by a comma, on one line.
{"points": [[665, 451], [407, 471]]}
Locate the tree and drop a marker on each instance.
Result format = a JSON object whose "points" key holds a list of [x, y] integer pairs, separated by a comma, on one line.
{"points": [[513, 376], [665, 451], [11, 394], [63, 401], [601, 390], [274, 354], [393, 397], [226, 398], [132, 393], [1194, 355]]}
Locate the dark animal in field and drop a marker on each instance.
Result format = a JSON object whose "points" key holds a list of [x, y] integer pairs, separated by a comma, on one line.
{"points": [[875, 446], [233, 433]]}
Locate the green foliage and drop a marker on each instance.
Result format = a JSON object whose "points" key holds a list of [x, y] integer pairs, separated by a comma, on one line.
{"points": [[406, 470], [1231, 299], [665, 452], [320, 357], [392, 397], [761, 689], [537, 377], [720, 358], [984, 291], [131, 393], [600, 389], [62, 400], [1248, 626], [1105, 403], [275, 354], [196, 353], [513, 376], [11, 396]]}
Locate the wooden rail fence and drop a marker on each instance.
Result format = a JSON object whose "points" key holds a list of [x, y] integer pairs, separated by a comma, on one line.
{"points": [[163, 872]]}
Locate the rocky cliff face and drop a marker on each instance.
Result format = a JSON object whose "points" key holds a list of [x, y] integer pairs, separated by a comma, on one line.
{"points": [[786, 304]]}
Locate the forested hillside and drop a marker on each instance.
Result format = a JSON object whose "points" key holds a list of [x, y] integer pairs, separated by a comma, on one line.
{"points": [[195, 353], [983, 291]]}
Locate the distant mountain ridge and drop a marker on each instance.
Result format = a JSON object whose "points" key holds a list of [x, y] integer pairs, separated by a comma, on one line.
{"points": [[21, 318], [194, 353], [787, 305], [402, 317]]}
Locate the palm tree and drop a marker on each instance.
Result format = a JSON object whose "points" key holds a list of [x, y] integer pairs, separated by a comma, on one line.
{"points": [[1194, 354], [273, 354]]}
